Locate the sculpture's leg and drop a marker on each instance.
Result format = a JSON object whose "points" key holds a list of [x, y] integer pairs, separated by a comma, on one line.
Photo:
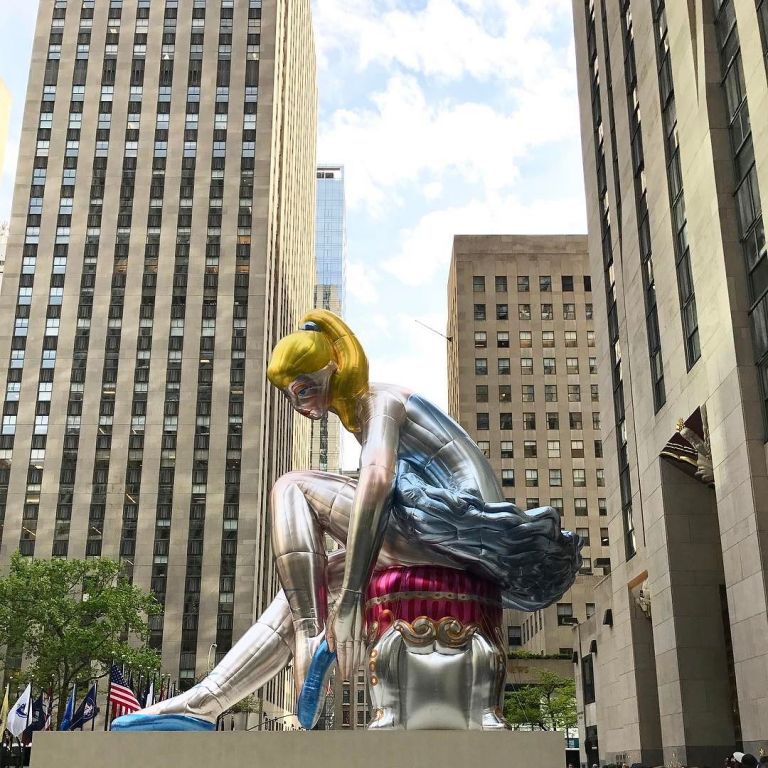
{"points": [[261, 653], [305, 506]]}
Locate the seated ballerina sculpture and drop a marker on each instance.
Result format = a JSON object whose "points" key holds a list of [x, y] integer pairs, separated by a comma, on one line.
{"points": [[426, 496]]}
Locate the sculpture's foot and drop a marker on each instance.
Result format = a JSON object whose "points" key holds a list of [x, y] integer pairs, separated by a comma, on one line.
{"points": [[312, 694], [140, 721], [493, 721], [198, 705]]}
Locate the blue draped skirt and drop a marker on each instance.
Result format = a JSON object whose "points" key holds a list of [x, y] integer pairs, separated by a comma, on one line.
{"points": [[527, 554]]}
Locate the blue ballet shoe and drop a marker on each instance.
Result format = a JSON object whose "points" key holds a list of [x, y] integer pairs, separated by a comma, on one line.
{"points": [[141, 722], [312, 692]]}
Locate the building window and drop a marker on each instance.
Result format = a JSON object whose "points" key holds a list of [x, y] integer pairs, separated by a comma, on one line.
{"points": [[514, 636], [482, 421], [580, 507], [553, 420], [505, 421], [526, 366], [555, 477], [481, 393], [524, 311], [526, 340], [485, 448], [481, 339], [550, 366], [600, 477], [572, 364], [529, 421], [569, 311], [502, 312], [557, 503], [531, 478], [588, 283], [550, 393], [564, 614], [547, 312], [598, 449], [602, 507], [532, 502], [604, 538], [478, 284], [588, 679], [595, 420], [503, 366], [586, 566], [505, 393], [529, 393], [579, 478], [508, 478], [571, 339], [547, 339], [574, 393], [593, 365], [507, 449], [523, 284], [583, 533], [545, 283], [577, 449], [574, 418], [481, 366], [530, 449], [590, 610], [553, 449], [502, 339], [501, 284], [567, 281], [479, 312], [590, 338]]}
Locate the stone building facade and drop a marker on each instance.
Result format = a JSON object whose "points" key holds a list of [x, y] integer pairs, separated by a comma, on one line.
{"points": [[161, 243], [673, 666]]}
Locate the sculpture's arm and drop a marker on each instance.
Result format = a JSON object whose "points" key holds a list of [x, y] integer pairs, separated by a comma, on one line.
{"points": [[382, 415]]}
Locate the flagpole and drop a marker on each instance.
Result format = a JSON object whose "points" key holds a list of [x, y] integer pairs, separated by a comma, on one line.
{"points": [[95, 699], [109, 690]]}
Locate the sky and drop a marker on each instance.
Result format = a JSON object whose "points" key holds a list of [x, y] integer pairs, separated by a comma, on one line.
{"points": [[450, 117]]}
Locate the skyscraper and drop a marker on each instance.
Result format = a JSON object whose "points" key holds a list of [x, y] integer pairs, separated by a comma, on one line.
{"points": [[522, 381], [161, 243], [331, 256], [673, 667]]}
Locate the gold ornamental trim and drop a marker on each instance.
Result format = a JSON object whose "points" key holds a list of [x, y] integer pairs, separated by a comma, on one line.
{"points": [[460, 597], [424, 631]]}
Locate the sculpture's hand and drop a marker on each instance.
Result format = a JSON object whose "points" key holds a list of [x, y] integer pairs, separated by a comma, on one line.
{"points": [[345, 633]]}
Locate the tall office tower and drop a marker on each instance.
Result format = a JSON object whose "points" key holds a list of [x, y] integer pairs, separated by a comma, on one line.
{"points": [[522, 381], [161, 244], [331, 256], [674, 665]]}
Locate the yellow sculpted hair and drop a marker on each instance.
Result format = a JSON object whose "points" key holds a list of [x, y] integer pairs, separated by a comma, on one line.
{"points": [[327, 338]]}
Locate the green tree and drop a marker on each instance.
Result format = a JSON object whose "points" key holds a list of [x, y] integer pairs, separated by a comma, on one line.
{"points": [[549, 705], [71, 618]]}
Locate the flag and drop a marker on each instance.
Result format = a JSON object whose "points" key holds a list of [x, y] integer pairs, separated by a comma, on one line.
{"points": [[19, 714], [69, 709], [150, 700], [37, 719], [86, 711], [121, 697], [4, 711]]}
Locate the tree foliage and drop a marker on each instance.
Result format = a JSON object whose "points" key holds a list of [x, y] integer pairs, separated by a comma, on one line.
{"points": [[549, 705], [71, 618]]}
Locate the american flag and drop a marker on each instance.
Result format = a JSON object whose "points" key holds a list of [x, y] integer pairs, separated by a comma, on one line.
{"points": [[120, 695]]}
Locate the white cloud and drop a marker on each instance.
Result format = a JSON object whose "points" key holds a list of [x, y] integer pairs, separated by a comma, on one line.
{"points": [[445, 38], [362, 282], [425, 250], [404, 138]]}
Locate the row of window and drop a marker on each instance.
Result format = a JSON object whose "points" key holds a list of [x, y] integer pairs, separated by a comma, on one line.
{"points": [[506, 421], [531, 449], [524, 283], [524, 312], [579, 478], [529, 393]]}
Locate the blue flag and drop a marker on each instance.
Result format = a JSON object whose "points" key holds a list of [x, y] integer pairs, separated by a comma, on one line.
{"points": [[38, 716], [66, 721], [86, 711]]}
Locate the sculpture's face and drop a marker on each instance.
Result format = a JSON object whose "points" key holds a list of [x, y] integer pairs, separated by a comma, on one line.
{"points": [[310, 393]]}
